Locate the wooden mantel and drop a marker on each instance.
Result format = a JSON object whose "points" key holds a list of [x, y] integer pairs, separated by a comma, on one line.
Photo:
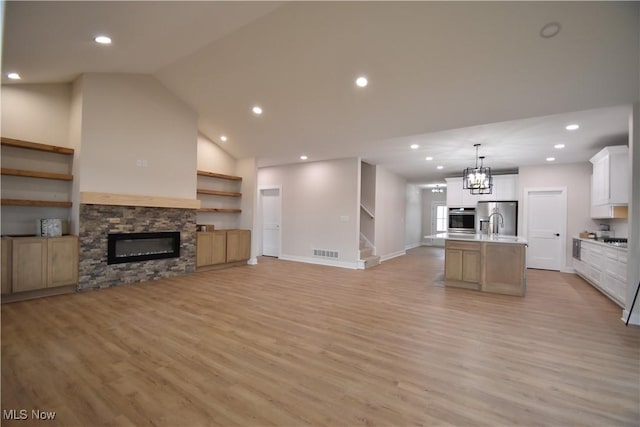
{"points": [[93, 198]]}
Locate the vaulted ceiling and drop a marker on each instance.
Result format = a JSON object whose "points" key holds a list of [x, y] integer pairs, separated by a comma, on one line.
{"points": [[442, 75]]}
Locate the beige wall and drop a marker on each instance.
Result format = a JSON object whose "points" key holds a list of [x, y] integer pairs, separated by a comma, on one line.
{"points": [[37, 112], [248, 170], [130, 117], [390, 214], [212, 158], [319, 208], [576, 178]]}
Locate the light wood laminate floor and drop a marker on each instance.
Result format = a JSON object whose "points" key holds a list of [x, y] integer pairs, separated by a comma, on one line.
{"points": [[290, 344]]}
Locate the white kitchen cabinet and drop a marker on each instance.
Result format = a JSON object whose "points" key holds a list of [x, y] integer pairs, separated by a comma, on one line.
{"points": [[505, 187], [610, 184], [454, 192], [605, 267]]}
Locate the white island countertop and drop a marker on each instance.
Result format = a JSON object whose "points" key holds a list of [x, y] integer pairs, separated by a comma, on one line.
{"points": [[468, 237]]}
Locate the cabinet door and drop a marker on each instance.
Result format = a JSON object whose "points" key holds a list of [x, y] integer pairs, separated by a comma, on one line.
{"points": [[6, 266], [62, 261], [471, 266], [600, 183], [238, 245], [454, 192], [29, 263], [219, 247], [505, 187], [204, 248], [453, 264]]}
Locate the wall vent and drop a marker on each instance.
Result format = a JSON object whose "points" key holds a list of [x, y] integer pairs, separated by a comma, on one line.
{"points": [[325, 254]]}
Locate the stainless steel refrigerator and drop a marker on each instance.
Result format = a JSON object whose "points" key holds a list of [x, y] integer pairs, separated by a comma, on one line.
{"points": [[497, 217]]}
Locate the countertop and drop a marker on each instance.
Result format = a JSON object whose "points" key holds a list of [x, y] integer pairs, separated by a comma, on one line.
{"points": [[499, 238], [601, 243]]}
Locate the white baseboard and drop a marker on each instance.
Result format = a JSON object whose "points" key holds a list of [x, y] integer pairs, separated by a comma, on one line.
{"points": [[413, 245], [392, 255], [320, 261], [253, 261], [568, 270], [635, 316]]}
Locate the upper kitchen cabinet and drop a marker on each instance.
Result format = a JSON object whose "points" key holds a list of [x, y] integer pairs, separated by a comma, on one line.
{"points": [[610, 184], [505, 187]]}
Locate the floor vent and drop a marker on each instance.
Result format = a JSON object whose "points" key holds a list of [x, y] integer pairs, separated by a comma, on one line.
{"points": [[325, 254]]}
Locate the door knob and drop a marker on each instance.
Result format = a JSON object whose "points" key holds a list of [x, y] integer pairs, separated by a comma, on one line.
{"points": [[557, 234]]}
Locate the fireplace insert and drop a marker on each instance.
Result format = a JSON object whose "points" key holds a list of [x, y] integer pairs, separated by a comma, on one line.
{"points": [[132, 247]]}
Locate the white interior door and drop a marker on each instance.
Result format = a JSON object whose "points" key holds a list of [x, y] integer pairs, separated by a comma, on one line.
{"points": [[270, 221], [546, 220]]}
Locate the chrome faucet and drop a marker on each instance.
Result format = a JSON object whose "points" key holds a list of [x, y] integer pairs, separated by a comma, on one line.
{"points": [[495, 227]]}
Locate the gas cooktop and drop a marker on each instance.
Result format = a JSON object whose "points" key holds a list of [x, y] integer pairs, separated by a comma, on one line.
{"points": [[615, 241]]}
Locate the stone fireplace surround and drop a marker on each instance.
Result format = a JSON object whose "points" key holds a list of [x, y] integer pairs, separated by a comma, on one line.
{"points": [[98, 220]]}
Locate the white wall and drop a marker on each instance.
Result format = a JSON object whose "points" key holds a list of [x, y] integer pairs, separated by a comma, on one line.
{"points": [[130, 117], [247, 220], [315, 197], [413, 219], [390, 214], [633, 267], [576, 178], [368, 199]]}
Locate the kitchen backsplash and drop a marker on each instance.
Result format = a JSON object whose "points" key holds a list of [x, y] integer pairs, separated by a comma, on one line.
{"points": [[618, 227]]}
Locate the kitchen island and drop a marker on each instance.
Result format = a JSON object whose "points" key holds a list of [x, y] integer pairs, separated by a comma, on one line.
{"points": [[486, 263]]}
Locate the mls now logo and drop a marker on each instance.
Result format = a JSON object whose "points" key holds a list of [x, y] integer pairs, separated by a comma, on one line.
{"points": [[23, 414]]}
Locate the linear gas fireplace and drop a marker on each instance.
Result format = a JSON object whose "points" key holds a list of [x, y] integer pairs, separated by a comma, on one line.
{"points": [[132, 247]]}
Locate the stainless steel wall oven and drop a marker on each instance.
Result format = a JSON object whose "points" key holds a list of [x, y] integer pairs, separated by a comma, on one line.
{"points": [[462, 220]]}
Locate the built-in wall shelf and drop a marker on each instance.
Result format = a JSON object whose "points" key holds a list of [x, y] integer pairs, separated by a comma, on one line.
{"points": [[36, 174], [211, 185], [220, 175], [35, 146], [220, 210], [218, 193], [42, 203]]}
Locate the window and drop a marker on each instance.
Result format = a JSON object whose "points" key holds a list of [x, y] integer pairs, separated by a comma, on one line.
{"points": [[441, 218]]}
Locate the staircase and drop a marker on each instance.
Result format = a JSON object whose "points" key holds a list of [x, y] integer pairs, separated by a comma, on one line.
{"points": [[367, 259]]}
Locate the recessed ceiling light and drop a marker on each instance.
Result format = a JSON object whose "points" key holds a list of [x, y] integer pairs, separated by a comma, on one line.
{"points": [[257, 110], [103, 39], [558, 146], [439, 167], [550, 30], [414, 146], [572, 127], [303, 157], [223, 138], [550, 159], [428, 158], [14, 76], [362, 81]]}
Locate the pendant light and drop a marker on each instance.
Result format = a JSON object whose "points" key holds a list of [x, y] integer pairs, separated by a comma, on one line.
{"points": [[437, 189], [478, 179]]}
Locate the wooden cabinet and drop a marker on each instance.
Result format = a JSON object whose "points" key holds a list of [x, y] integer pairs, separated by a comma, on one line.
{"points": [[222, 246], [610, 176], [462, 263], [62, 261], [6, 265], [238, 245], [39, 263], [211, 248], [29, 264]]}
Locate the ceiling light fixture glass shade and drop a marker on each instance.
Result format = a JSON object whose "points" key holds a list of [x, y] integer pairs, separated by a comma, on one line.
{"points": [[478, 179], [437, 189]]}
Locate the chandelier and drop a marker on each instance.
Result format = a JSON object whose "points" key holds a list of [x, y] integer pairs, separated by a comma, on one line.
{"points": [[478, 179], [437, 189]]}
